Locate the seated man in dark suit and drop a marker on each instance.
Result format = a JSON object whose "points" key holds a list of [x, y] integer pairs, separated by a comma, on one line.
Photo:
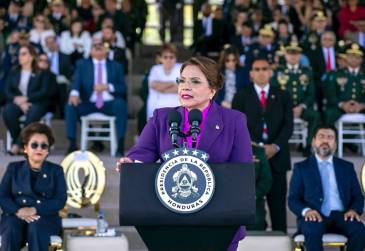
{"points": [[98, 86], [325, 195]]}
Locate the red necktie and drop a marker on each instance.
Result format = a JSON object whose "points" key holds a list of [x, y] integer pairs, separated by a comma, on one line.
{"points": [[263, 99], [328, 60]]}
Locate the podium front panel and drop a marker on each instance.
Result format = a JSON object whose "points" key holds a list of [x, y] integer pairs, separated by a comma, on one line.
{"points": [[232, 204]]}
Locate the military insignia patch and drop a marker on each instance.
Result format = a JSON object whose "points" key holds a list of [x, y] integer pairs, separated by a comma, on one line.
{"points": [[303, 79], [185, 183], [341, 81], [282, 79]]}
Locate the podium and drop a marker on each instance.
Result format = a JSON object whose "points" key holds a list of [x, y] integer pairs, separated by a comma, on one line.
{"points": [[211, 228]]}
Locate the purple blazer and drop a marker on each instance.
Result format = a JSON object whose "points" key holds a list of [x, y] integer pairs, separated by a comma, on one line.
{"points": [[225, 137]]}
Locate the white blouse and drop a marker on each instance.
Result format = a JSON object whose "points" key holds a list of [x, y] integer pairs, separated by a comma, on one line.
{"points": [[40, 37], [24, 82], [67, 42], [157, 99]]}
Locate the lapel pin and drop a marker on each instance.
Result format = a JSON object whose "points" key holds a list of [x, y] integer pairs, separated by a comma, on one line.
{"points": [[44, 175], [272, 96], [217, 127]]}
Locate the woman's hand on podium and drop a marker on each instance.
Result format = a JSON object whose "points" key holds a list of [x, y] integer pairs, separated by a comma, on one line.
{"points": [[121, 161]]}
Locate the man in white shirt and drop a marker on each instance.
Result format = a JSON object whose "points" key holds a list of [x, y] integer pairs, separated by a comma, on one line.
{"points": [[98, 86]]}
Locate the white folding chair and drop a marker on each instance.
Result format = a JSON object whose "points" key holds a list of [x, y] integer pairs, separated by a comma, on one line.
{"points": [[97, 120], [329, 240], [46, 119], [300, 132], [352, 126]]}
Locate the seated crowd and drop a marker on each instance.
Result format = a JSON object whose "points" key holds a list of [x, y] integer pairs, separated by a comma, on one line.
{"points": [[281, 60]]}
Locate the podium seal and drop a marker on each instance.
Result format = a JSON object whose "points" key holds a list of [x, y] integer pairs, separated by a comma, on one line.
{"points": [[185, 182]]}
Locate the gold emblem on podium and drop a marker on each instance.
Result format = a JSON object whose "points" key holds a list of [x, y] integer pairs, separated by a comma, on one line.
{"points": [[85, 178]]}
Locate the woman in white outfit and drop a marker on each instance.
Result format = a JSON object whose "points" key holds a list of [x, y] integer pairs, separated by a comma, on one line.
{"points": [[75, 41], [162, 81], [42, 28]]}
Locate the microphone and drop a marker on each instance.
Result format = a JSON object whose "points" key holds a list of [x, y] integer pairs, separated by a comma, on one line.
{"points": [[195, 118], [174, 119]]}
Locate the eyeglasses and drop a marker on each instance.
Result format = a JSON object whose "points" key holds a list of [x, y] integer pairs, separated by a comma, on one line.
{"points": [[193, 82], [24, 53], [231, 60], [168, 57], [260, 68], [35, 145]]}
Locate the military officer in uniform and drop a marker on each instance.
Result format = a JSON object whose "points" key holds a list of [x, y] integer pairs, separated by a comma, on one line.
{"points": [[345, 90], [298, 81], [263, 185], [264, 48], [312, 40]]}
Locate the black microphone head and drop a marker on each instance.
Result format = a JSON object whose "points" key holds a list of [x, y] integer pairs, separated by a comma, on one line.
{"points": [[174, 116], [195, 115]]}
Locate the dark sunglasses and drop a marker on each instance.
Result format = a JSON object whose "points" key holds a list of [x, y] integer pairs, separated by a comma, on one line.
{"points": [[260, 69], [35, 145]]}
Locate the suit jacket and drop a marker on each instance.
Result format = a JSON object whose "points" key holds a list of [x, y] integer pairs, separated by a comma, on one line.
{"points": [[83, 80], [306, 186], [38, 87], [224, 137], [218, 37], [65, 65], [278, 116], [48, 195]]}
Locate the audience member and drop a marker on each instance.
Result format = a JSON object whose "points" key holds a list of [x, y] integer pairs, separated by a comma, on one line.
{"points": [[13, 15], [26, 93], [162, 81], [98, 86], [43, 64], [118, 38], [323, 60], [41, 29], [311, 39], [57, 17], [265, 47], [97, 12], [298, 81], [61, 65], [349, 15], [32, 192], [75, 42], [270, 123], [25, 21], [243, 41], [121, 22], [85, 10], [345, 88], [325, 195], [171, 12], [209, 34], [235, 77]]}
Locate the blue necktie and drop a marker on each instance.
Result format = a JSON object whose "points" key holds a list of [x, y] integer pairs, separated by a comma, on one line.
{"points": [[325, 174]]}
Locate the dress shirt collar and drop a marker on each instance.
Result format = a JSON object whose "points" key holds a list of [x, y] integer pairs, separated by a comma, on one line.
{"points": [[354, 70], [259, 89], [319, 160], [95, 61], [293, 67]]}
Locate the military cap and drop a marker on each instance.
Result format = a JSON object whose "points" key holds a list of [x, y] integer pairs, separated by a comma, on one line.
{"points": [[355, 50]]}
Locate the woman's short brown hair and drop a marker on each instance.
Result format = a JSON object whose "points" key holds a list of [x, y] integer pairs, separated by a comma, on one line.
{"points": [[228, 50], [168, 47], [36, 128], [209, 68]]}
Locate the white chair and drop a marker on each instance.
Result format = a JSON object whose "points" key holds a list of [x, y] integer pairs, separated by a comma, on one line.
{"points": [[46, 119], [300, 132], [98, 120], [55, 242], [352, 126], [329, 240]]}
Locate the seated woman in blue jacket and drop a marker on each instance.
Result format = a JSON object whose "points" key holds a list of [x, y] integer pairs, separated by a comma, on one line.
{"points": [[32, 192], [235, 76]]}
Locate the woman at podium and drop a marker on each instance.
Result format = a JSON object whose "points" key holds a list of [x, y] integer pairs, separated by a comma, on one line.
{"points": [[223, 132]]}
